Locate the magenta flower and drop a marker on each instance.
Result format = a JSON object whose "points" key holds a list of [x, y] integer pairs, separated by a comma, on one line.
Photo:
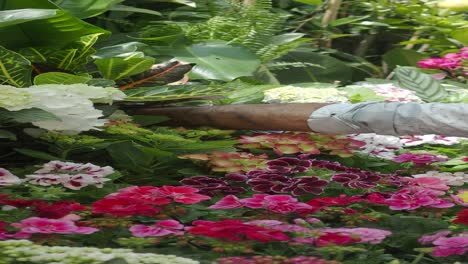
{"points": [[461, 197], [366, 235], [405, 199], [228, 202], [277, 203], [429, 183], [183, 194], [355, 180], [450, 246], [34, 225], [419, 159], [161, 228]]}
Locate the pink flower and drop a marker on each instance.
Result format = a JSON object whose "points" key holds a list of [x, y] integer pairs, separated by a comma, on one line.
{"points": [[450, 246], [123, 207], [419, 159], [461, 198], [228, 202], [34, 225], [331, 239], [428, 239], [7, 178], [366, 235], [432, 63], [405, 199], [149, 195], [162, 228], [429, 183], [277, 203], [183, 194]]}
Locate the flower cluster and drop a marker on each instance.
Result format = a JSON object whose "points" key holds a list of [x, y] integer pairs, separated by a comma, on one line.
{"points": [[448, 62], [65, 225], [444, 246], [275, 260], [293, 94], [419, 159], [27, 252], [145, 200], [388, 92], [71, 175]]}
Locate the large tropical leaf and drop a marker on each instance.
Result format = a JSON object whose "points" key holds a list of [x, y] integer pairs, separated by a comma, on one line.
{"points": [[315, 68], [59, 78], [159, 74], [426, 87], [122, 50], [14, 68], [217, 61], [171, 93], [403, 57], [87, 8], [35, 28], [117, 68]]}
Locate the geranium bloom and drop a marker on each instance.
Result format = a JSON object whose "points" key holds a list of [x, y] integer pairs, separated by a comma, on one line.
{"points": [[183, 194], [428, 183], [462, 217], [452, 179], [4, 234], [232, 162], [235, 230], [450, 246], [419, 159], [405, 199], [228, 202], [212, 186], [355, 180], [341, 200], [428, 239], [7, 178], [378, 145], [277, 203], [161, 228], [305, 185], [148, 195], [123, 207], [71, 175], [288, 165], [332, 239], [52, 226], [410, 141], [58, 209]]}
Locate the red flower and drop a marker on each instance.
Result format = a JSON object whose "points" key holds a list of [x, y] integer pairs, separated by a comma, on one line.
{"points": [[141, 194], [462, 217], [235, 230], [183, 194], [341, 200], [123, 207], [356, 180], [329, 239], [58, 209]]}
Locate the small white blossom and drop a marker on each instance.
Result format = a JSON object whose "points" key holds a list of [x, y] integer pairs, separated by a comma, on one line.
{"points": [[14, 99], [293, 94], [7, 178], [410, 141], [378, 145]]}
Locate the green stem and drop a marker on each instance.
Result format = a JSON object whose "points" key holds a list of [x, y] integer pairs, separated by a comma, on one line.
{"points": [[418, 258]]}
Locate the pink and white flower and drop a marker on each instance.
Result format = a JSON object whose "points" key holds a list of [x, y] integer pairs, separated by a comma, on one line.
{"points": [[161, 228], [7, 178]]}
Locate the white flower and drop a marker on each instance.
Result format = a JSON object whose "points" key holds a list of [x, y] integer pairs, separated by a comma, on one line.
{"points": [[293, 94], [14, 99], [7, 178], [391, 92], [96, 94], [410, 141], [378, 145], [71, 175], [452, 179]]}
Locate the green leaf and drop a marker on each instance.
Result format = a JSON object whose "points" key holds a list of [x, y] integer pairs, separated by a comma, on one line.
{"points": [[117, 68], [87, 8], [123, 50], [5, 134], [13, 17], [14, 68], [27, 115], [59, 78], [346, 20], [310, 2], [182, 2], [126, 155], [461, 35], [116, 261], [403, 57], [426, 87], [124, 8], [174, 93], [218, 61], [36, 154], [317, 68], [32, 30]]}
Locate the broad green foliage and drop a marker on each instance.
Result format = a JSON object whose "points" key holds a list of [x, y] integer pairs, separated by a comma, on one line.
{"points": [[117, 68], [59, 78], [87, 8], [426, 87]]}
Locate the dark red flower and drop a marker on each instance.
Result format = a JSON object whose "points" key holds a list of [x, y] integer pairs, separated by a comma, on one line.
{"points": [[235, 230], [330, 239], [141, 194], [341, 200], [58, 209], [123, 207], [462, 217], [212, 186], [305, 185], [269, 182], [288, 165], [355, 180]]}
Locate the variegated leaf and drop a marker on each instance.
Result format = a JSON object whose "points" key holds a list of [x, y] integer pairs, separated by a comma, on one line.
{"points": [[426, 87]]}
